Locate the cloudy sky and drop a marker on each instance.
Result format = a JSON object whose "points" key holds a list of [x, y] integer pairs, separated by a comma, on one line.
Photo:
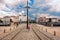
{"points": [[38, 7]]}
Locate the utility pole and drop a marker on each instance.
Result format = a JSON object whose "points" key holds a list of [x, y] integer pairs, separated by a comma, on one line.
{"points": [[27, 14], [27, 7]]}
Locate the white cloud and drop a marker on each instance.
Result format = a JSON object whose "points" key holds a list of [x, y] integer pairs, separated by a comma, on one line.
{"points": [[48, 16], [41, 15], [12, 3], [3, 13], [22, 12], [45, 15], [11, 14], [3, 7], [55, 4]]}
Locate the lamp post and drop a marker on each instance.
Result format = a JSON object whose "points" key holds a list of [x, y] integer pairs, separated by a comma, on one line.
{"points": [[27, 7]]}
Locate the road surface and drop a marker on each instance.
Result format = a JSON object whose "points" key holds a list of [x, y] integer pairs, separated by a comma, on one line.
{"points": [[21, 33]]}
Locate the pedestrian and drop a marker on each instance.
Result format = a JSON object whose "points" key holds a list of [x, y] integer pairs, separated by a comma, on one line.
{"points": [[17, 24], [28, 27]]}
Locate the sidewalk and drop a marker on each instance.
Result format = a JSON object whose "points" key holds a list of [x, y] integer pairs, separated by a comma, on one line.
{"points": [[7, 34], [21, 33], [50, 29], [26, 35]]}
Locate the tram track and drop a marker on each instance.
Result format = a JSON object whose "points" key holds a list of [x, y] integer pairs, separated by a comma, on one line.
{"points": [[41, 35], [12, 34]]}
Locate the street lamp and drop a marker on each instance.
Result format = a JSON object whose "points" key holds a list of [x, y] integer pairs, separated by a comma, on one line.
{"points": [[27, 7]]}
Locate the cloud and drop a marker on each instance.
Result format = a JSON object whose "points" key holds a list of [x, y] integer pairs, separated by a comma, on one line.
{"points": [[5, 10], [15, 4], [55, 5], [4, 13], [45, 15], [41, 15], [44, 6], [2, 6], [12, 3], [48, 16]]}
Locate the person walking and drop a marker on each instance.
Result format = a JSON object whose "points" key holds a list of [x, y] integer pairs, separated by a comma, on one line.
{"points": [[28, 27], [17, 23]]}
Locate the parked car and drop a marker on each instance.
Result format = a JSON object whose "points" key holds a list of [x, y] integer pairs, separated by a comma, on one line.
{"points": [[56, 23], [5, 23]]}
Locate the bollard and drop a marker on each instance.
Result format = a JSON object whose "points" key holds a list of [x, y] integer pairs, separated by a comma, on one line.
{"points": [[4, 31], [14, 27], [46, 29], [51, 25], [39, 27], [10, 29], [42, 28], [54, 33]]}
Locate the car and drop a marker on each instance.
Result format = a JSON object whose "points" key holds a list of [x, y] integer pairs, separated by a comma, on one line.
{"points": [[5, 23], [56, 23]]}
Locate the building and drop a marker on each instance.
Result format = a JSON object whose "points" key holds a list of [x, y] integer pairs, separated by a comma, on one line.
{"points": [[6, 18], [42, 19], [45, 20], [58, 20], [15, 18], [23, 18], [52, 19]]}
